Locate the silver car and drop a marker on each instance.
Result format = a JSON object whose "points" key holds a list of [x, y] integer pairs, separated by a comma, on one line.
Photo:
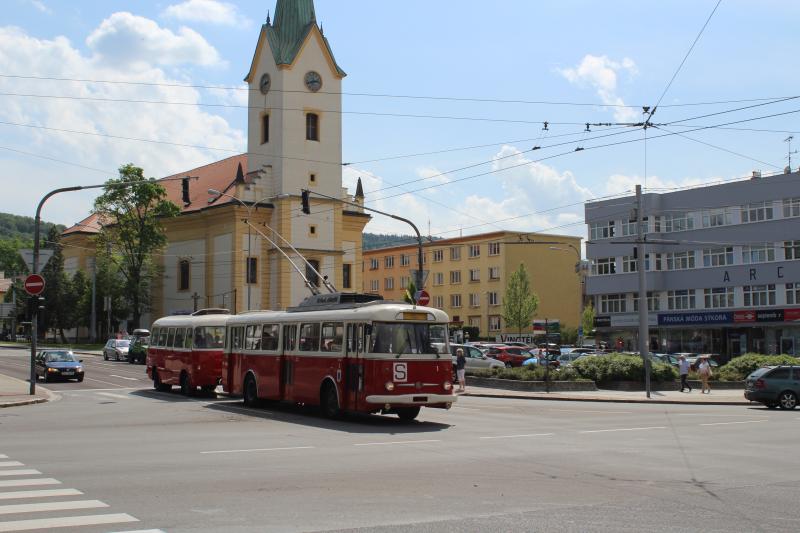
{"points": [[475, 358], [116, 349]]}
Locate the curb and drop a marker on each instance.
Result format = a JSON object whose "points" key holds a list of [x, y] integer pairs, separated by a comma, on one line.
{"points": [[606, 400], [23, 402], [49, 396]]}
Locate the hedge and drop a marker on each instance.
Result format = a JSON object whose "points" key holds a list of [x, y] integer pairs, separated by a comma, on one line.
{"points": [[619, 367], [740, 367], [529, 373]]}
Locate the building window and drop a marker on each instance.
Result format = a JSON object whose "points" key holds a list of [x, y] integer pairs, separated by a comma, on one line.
{"points": [[494, 323], [653, 301], [791, 207], [405, 260], [757, 211], [612, 303], [604, 267], [682, 299], [311, 271], [312, 178], [494, 248], [455, 277], [264, 128], [252, 269], [455, 253], [184, 269], [388, 284], [759, 295], [680, 260], [347, 276], [677, 222], [312, 127], [601, 230], [761, 253], [656, 263], [793, 294], [388, 261], [474, 250], [717, 217], [474, 321], [438, 256], [375, 285], [455, 300], [494, 273], [373, 264], [474, 300], [629, 264], [629, 227], [493, 299], [312, 229], [715, 257], [438, 301], [791, 250], [718, 298], [475, 274], [438, 278], [404, 282]]}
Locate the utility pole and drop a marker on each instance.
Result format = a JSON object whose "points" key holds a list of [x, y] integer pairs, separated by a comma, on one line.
{"points": [[93, 317], [196, 297], [789, 140], [644, 333]]}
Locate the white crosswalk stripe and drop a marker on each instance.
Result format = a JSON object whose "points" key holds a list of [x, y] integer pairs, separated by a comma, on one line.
{"points": [[21, 502]]}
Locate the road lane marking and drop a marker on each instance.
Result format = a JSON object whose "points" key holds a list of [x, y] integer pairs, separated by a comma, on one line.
{"points": [[112, 395], [28, 482], [66, 521], [520, 436], [101, 381], [590, 411], [21, 472], [77, 391], [621, 429], [122, 377], [729, 423], [142, 531], [20, 508], [45, 493], [396, 442], [467, 408], [11, 463], [260, 450]]}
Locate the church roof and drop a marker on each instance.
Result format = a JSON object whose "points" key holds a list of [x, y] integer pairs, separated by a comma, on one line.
{"points": [[294, 19]]}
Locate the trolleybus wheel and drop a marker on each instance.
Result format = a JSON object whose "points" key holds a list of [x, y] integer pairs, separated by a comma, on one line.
{"points": [[160, 387], [187, 387], [329, 400], [208, 389], [250, 392], [408, 413]]}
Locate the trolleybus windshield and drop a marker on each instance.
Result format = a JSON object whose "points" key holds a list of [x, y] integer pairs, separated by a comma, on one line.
{"points": [[402, 338]]}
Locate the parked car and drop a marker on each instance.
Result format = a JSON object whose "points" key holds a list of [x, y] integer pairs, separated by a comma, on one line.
{"points": [[116, 349], [774, 386], [517, 344], [552, 349], [137, 353], [58, 364], [475, 358], [509, 355]]}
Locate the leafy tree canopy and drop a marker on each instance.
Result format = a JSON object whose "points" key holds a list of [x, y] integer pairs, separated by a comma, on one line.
{"points": [[519, 303]]}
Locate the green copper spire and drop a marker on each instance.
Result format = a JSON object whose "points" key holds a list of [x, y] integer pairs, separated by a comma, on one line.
{"points": [[293, 20]]}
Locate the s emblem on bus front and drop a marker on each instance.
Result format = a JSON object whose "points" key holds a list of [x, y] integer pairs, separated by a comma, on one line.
{"points": [[401, 372]]}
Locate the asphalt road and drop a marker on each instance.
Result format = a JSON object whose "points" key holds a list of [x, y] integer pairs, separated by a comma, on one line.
{"points": [[138, 460]]}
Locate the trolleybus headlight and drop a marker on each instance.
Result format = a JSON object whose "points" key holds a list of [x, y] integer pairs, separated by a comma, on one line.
{"points": [[447, 385], [389, 386]]}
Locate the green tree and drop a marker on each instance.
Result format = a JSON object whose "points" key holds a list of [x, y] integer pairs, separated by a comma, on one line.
{"points": [[132, 216], [10, 260], [587, 320], [80, 301], [519, 302], [57, 290], [411, 290]]}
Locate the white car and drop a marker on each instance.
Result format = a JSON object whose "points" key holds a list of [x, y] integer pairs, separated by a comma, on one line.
{"points": [[475, 358], [116, 349]]}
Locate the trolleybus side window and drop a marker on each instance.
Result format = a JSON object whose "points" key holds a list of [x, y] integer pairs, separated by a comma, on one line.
{"points": [[199, 338], [236, 338], [170, 337], [309, 337], [154, 338], [179, 338], [332, 334], [269, 337], [187, 340], [253, 338], [289, 337], [162, 338]]}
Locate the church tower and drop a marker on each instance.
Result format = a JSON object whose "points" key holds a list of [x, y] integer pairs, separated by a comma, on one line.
{"points": [[295, 143]]}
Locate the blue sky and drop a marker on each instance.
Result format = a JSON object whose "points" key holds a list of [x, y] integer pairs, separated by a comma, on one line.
{"points": [[585, 52]]}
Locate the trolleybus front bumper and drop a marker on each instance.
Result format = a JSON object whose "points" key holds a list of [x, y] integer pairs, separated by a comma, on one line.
{"points": [[412, 399]]}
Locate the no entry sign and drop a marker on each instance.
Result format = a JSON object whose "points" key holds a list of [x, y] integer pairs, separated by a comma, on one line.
{"points": [[34, 285], [423, 298]]}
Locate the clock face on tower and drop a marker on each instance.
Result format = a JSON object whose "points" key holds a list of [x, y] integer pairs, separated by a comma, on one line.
{"points": [[313, 81], [265, 83]]}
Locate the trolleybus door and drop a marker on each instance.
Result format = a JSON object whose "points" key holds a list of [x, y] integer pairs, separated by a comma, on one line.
{"points": [[287, 361], [354, 366]]}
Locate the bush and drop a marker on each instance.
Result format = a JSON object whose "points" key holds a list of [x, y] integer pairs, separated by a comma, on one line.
{"points": [[618, 367], [529, 373], [740, 367]]}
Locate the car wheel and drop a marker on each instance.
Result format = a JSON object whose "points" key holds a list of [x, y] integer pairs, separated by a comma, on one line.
{"points": [[250, 391], [80, 379], [130, 359], [329, 401], [105, 355], [44, 377], [407, 414], [508, 364], [787, 400]]}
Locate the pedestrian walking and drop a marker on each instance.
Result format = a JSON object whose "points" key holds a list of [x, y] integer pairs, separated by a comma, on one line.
{"points": [[461, 363], [683, 370], [704, 369]]}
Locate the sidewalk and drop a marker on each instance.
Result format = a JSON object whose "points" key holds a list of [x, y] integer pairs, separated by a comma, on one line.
{"points": [[717, 397], [14, 392]]}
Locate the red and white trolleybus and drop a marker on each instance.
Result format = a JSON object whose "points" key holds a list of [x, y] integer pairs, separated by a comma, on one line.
{"points": [[344, 352], [187, 351]]}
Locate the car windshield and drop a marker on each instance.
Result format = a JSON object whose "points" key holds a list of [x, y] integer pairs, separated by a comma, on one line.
{"points": [[123, 343], [400, 338], [59, 357]]}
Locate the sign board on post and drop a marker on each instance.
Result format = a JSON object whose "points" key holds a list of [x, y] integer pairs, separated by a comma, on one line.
{"points": [[34, 285], [422, 297], [44, 256], [420, 280]]}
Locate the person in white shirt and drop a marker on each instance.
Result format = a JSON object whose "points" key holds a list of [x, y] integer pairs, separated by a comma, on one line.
{"points": [[705, 372], [683, 370]]}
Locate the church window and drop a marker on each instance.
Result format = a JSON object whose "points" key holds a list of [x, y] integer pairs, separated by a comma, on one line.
{"points": [[264, 128], [183, 274], [312, 127], [312, 229], [252, 269], [312, 178], [347, 277]]}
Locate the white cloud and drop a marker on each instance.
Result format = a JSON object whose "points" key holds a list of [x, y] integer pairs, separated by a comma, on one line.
{"points": [[124, 39], [601, 73], [208, 11], [622, 184], [41, 7], [57, 57]]}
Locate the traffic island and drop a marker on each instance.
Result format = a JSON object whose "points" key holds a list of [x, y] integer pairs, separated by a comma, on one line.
{"points": [[531, 386]]}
